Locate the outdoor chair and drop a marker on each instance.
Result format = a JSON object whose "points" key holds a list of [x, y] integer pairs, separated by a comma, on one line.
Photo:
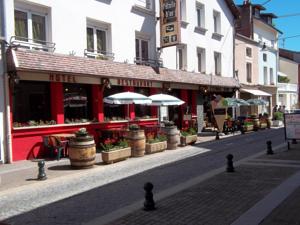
{"points": [[53, 146]]}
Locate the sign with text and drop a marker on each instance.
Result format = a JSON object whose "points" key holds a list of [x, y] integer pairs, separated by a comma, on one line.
{"points": [[169, 22], [292, 126], [135, 83]]}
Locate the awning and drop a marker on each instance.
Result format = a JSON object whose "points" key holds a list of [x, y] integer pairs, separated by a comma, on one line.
{"points": [[256, 92], [282, 74]]}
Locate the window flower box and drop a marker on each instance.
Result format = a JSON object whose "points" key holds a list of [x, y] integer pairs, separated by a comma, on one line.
{"points": [[188, 140], [117, 155], [156, 147], [248, 127]]}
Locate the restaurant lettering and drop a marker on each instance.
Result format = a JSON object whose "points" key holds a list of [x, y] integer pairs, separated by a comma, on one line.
{"points": [[62, 78], [135, 83]]}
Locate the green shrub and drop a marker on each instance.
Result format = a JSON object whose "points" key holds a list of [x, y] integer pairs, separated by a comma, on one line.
{"points": [[278, 116]]}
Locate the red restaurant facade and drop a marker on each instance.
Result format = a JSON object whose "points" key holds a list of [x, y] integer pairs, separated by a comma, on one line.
{"points": [[54, 93]]}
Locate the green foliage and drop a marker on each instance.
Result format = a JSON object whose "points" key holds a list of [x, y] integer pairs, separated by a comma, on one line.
{"points": [[278, 116], [112, 145], [283, 79], [188, 132], [134, 127], [248, 124]]}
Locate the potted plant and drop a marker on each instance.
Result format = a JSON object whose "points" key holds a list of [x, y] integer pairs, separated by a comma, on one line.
{"points": [[156, 143], [114, 151], [278, 118], [172, 134], [188, 136], [248, 126]]}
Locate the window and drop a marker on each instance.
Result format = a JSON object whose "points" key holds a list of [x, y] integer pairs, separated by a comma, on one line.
{"points": [[201, 60], [249, 72], [217, 59], [182, 10], [217, 22], [256, 12], [96, 40], [142, 111], [113, 111], [271, 77], [200, 10], [249, 52], [77, 102], [265, 75], [181, 57], [265, 57], [31, 101], [30, 27], [145, 3], [141, 50]]}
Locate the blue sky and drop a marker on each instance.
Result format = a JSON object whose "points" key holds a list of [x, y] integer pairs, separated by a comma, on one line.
{"points": [[290, 26]]}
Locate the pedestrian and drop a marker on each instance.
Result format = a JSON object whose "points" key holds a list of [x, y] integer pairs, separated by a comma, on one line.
{"points": [[279, 109], [275, 109], [283, 109]]}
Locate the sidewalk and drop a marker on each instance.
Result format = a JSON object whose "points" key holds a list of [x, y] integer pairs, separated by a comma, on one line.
{"points": [[214, 198]]}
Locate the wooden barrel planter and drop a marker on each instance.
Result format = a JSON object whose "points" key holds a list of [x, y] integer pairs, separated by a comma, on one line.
{"points": [[82, 152], [256, 124], [172, 137], [137, 141]]}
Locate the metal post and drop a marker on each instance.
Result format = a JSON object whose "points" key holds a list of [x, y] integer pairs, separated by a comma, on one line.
{"points": [[41, 174], [149, 203], [230, 168], [269, 148]]}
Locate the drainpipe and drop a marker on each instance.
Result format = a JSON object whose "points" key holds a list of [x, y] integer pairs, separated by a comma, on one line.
{"points": [[7, 124]]}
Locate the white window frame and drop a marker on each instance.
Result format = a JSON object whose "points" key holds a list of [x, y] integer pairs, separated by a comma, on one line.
{"points": [[29, 24], [201, 65], [265, 59], [140, 48], [249, 50], [147, 4], [183, 49], [217, 22], [218, 63], [200, 14], [95, 28], [272, 80], [183, 10], [265, 75], [249, 72]]}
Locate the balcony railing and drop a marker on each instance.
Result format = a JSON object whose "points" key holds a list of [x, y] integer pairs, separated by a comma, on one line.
{"points": [[286, 87], [149, 62], [34, 44], [104, 55]]}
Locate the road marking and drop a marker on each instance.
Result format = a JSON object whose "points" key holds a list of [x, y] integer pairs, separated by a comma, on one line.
{"points": [[110, 217]]}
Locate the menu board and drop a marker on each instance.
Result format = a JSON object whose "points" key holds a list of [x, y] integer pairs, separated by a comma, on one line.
{"points": [[292, 126]]}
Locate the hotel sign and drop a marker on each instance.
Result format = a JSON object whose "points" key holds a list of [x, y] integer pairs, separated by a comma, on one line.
{"points": [[169, 23]]}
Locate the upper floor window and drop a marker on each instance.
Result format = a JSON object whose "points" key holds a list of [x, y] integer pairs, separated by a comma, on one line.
{"points": [[201, 60], [256, 12], [141, 50], [145, 3], [200, 10], [249, 52], [181, 57], [265, 58], [217, 22], [217, 61], [98, 41], [265, 75], [31, 30], [182, 10], [249, 72], [271, 77]]}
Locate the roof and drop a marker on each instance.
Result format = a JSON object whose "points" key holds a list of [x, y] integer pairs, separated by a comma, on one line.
{"points": [[234, 10], [258, 6], [269, 15], [31, 60]]}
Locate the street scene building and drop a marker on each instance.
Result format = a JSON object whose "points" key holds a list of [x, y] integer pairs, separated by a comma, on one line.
{"points": [[51, 65]]}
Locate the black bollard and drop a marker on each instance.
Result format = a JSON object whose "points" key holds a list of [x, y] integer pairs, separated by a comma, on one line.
{"points": [[269, 148], [217, 136], [294, 141], [42, 174], [230, 168], [149, 203]]}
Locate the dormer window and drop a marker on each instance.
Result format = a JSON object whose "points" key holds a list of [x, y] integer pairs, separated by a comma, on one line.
{"points": [[256, 12], [269, 19]]}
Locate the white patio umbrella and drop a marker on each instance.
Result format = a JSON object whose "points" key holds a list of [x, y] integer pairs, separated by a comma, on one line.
{"points": [[126, 98], [164, 100]]}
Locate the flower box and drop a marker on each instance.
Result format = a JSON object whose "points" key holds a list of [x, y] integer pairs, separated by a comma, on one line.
{"points": [[116, 155], [277, 123], [156, 147], [189, 139], [263, 125], [247, 128]]}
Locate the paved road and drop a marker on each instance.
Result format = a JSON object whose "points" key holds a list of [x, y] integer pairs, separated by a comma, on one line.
{"points": [[103, 200]]}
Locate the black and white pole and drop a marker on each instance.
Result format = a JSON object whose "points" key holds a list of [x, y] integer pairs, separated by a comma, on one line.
{"points": [[230, 168], [42, 174], [269, 148], [149, 203]]}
